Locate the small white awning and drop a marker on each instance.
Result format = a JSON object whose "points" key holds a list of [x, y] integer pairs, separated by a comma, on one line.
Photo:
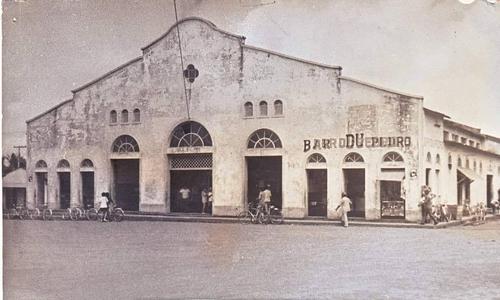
{"points": [[15, 179], [469, 174]]}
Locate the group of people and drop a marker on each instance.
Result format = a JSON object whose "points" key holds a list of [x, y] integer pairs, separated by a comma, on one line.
{"points": [[206, 197]]}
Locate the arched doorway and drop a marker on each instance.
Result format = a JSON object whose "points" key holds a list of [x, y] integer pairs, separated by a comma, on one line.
{"points": [[125, 164], [392, 195], [64, 176], [264, 165], [87, 181], [317, 191], [354, 182], [40, 184], [190, 165]]}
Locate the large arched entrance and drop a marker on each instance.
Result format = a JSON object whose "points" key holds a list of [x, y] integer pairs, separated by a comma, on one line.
{"points": [[392, 186], [190, 165], [41, 184], [125, 164], [264, 165]]}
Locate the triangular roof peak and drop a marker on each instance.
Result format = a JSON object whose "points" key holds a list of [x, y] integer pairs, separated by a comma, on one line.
{"points": [[212, 25]]}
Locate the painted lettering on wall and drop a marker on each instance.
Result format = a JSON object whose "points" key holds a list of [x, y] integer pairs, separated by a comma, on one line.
{"points": [[357, 140]]}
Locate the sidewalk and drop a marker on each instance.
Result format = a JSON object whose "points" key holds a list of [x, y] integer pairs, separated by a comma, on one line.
{"points": [[200, 218]]}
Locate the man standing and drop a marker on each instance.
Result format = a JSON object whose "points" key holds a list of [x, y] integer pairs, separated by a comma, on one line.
{"points": [[426, 204], [266, 197], [343, 208], [103, 207]]}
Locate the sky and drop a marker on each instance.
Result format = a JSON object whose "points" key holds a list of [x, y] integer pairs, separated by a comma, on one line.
{"points": [[444, 50]]}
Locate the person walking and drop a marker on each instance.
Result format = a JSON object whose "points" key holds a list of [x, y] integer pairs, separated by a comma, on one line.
{"points": [[266, 194], [103, 206], [343, 208]]}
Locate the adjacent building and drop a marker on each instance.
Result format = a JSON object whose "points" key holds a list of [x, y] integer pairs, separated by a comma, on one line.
{"points": [[235, 118]]}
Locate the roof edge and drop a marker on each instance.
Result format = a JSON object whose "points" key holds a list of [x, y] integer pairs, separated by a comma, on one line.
{"points": [[470, 129], [381, 88], [292, 57], [479, 150], [435, 113], [492, 137], [106, 74], [49, 110], [212, 25]]}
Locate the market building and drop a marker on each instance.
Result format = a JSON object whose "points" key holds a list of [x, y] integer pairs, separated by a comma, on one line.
{"points": [[218, 113]]}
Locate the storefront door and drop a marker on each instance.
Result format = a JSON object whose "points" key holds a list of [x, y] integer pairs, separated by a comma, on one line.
{"points": [[392, 205], [126, 183], [354, 180], [317, 192], [263, 171]]}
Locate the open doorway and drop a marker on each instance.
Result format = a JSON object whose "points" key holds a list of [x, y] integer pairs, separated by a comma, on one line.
{"points": [[317, 192], [489, 189], [126, 183], [391, 203], [354, 187], [64, 189], [41, 189], [87, 189], [263, 171], [192, 180]]}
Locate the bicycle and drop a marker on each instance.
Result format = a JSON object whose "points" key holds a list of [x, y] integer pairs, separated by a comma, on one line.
{"points": [[45, 214], [116, 214], [274, 216], [66, 215], [257, 214], [252, 214], [18, 211], [78, 213]]}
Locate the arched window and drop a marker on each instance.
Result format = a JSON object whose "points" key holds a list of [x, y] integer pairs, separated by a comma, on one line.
{"points": [[467, 163], [480, 167], [475, 165], [125, 144], [248, 109], [393, 157], [63, 164], [263, 108], [124, 116], [278, 107], [190, 134], [353, 157], [113, 117], [86, 163], [137, 115], [429, 157], [41, 164], [459, 162], [438, 159], [264, 138], [316, 158]]}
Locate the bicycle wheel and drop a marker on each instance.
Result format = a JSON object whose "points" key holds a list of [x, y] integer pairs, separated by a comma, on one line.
{"points": [[23, 213], [92, 214], [277, 217], [75, 213], [66, 214], [34, 213], [117, 214], [244, 217], [12, 213], [47, 214]]}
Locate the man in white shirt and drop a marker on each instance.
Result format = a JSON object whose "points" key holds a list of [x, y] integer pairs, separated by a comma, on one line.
{"points": [[103, 207]]}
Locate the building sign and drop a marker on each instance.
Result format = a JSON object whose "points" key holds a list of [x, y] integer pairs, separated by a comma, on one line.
{"points": [[357, 140]]}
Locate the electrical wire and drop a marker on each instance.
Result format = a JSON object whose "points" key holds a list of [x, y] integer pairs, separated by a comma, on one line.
{"points": [[182, 60]]}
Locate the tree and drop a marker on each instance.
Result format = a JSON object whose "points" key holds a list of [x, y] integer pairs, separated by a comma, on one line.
{"points": [[12, 162]]}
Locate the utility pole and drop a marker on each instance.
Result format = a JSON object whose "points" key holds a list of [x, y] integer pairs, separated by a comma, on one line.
{"points": [[19, 154]]}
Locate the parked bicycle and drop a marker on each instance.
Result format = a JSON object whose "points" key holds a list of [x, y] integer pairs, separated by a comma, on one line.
{"points": [[79, 213], [257, 214], [19, 211], [66, 214], [45, 213], [115, 214]]}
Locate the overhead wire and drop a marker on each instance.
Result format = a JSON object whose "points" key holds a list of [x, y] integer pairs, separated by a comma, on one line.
{"points": [[182, 60]]}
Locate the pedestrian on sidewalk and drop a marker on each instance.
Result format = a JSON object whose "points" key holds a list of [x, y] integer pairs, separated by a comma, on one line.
{"points": [[343, 208], [426, 205], [103, 207]]}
